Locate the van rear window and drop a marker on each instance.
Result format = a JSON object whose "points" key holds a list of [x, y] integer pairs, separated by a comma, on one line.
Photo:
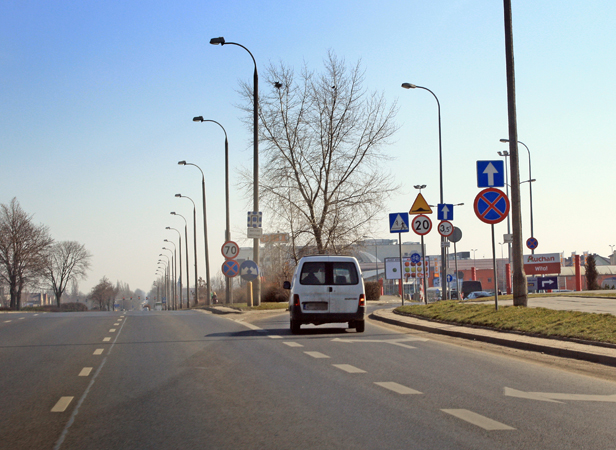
{"points": [[336, 273]]}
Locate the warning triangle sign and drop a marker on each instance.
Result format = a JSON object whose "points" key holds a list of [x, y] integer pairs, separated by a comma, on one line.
{"points": [[420, 206]]}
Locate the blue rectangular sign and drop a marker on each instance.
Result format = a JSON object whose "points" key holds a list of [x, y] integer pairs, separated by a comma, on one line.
{"points": [[545, 283], [445, 211], [490, 174], [399, 222]]}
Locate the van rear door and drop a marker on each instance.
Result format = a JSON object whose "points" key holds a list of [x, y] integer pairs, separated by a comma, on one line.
{"points": [[313, 274], [343, 295]]}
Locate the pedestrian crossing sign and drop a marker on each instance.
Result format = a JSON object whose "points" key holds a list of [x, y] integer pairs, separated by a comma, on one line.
{"points": [[399, 223]]}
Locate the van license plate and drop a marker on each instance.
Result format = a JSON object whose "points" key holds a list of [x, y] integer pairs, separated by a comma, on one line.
{"points": [[320, 306]]}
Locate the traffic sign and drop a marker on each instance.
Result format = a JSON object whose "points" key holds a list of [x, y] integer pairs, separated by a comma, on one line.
{"points": [[249, 270], [415, 257], [456, 235], [532, 243], [255, 219], [490, 174], [445, 228], [420, 206], [491, 206], [230, 268], [230, 250], [444, 211], [422, 225], [545, 283], [399, 222]]}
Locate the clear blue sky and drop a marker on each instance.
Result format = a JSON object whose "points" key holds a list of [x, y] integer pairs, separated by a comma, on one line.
{"points": [[97, 100]]}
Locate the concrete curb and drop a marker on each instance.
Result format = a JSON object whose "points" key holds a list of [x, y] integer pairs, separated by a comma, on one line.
{"points": [[556, 347]]}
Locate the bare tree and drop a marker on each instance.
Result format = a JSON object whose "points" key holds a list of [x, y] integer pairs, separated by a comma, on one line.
{"points": [[322, 137], [67, 261], [23, 250], [103, 294]]}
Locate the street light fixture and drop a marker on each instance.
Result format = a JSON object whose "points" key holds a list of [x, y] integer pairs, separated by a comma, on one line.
{"points": [[229, 292], [530, 187], [172, 270], [187, 265], [180, 246], [505, 154], [207, 257], [175, 265], [255, 143], [440, 169], [195, 247]]}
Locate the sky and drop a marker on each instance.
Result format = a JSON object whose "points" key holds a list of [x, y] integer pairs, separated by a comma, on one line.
{"points": [[97, 101]]}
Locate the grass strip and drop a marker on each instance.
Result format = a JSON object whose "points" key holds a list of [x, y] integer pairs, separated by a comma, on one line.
{"points": [[538, 321]]}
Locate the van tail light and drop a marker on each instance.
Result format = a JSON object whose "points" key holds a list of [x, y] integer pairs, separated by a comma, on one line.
{"points": [[362, 300], [296, 300]]}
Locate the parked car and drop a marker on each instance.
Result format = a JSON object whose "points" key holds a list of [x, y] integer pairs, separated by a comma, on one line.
{"points": [[327, 289], [478, 294]]}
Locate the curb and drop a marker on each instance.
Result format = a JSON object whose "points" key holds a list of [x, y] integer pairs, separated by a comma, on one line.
{"points": [[566, 349]]}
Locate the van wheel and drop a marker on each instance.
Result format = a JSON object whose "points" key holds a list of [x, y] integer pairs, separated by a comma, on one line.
{"points": [[360, 326], [295, 325]]}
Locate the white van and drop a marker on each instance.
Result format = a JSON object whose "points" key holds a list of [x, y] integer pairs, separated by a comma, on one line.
{"points": [[327, 289]]}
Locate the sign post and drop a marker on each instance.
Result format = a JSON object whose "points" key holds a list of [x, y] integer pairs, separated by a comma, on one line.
{"points": [[399, 223], [492, 206]]}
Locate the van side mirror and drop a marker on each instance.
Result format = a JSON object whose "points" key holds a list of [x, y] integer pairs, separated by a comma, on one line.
{"points": [[286, 285]]}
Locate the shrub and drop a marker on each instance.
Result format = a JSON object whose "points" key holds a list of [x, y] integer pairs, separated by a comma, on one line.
{"points": [[275, 294], [71, 307], [373, 290]]}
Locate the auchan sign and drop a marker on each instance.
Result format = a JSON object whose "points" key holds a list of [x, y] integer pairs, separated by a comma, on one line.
{"points": [[547, 263]]}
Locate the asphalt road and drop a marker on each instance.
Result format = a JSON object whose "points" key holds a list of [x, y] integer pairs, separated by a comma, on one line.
{"points": [[189, 380]]}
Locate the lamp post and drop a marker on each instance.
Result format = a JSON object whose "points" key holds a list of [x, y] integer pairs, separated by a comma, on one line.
{"points": [[180, 246], [187, 265], [175, 278], [440, 171], [172, 273], [195, 247], [229, 292], [207, 257], [474, 260], [255, 140], [166, 278], [505, 154], [530, 188]]}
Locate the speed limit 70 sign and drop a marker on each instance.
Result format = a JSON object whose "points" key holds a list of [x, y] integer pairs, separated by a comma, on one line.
{"points": [[422, 224], [445, 228], [230, 250]]}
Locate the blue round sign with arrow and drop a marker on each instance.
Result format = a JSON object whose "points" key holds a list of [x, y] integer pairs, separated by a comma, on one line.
{"points": [[491, 205]]}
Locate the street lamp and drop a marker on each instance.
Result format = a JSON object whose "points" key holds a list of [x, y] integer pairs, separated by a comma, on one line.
{"points": [[440, 170], [505, 154], [195, 247], [167, 264], [172, 270], [474, 260], [207, 257], [530, 187], [175, 265], [180, 246], [229, 292], [255, 143]]}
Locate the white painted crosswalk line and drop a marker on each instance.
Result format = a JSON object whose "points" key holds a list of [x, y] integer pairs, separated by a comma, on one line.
{"points": [[477, 419], [398, 388]]}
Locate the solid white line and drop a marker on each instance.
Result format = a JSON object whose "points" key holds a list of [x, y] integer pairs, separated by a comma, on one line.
{"points": [[477, 419], [348, 368], [292, 344], [316, 354], [107, 339], [85, 371], [62, 404], [397, 388], [99, 351]]}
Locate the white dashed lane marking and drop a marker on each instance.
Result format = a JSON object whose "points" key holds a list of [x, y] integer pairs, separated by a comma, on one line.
{"points": [[477, 419], [293, 344], [316, 354], [85, 372], [107, 339], [98, 351], [397, 388], [348, 368], [62, 404], [112, 330]]}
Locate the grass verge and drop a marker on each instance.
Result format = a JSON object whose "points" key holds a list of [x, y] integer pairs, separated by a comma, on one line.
{"points": [[537, 321]]}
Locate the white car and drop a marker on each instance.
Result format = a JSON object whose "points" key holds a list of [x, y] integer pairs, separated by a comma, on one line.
{"points": [[327, 289]]}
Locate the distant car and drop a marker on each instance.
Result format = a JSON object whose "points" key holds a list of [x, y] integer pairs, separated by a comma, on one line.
{"points": [[478, 294]]}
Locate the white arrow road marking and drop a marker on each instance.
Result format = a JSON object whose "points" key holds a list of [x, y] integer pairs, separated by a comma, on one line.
{"points": [[397, 388], [490, 170], [477, 419], [554, 397]]}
